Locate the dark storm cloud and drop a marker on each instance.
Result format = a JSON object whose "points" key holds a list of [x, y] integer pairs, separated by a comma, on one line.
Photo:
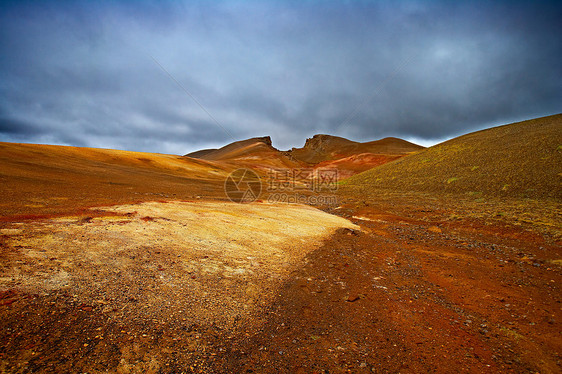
{"points": [[82, 73], [15, 127]]}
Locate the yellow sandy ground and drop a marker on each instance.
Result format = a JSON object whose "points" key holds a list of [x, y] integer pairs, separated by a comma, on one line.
{"points": [[204, 261]]}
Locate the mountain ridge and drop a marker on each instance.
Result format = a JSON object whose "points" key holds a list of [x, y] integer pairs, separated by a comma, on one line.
{"points": [[321, 150]]}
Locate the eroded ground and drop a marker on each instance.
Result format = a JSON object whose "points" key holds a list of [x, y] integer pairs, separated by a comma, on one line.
{"points": [[165, 266], [414, 293], [212, 287]]}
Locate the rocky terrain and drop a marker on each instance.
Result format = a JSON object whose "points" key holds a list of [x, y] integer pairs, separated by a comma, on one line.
{"points": [[131, 262]]}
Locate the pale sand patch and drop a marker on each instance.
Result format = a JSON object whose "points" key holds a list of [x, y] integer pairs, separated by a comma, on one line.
{"points": [[203, 261]]}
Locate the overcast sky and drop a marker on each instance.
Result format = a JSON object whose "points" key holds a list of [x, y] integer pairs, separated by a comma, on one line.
{"points": [[106, 73]]}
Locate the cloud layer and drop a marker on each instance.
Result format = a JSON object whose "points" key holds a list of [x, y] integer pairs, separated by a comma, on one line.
{"points": [[96, 73]]}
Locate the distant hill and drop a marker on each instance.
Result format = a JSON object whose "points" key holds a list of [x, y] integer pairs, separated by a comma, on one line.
{"points": [[48, 178], [324, 151], [236, 150], [255, 152], [520, 160], [201, 153], [322, 148]]}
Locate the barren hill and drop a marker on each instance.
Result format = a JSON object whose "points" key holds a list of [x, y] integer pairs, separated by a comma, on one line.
{"points": [[320, 151], [322, 147], [236, 150], [40, 179], [256, 153], [520, 160]]}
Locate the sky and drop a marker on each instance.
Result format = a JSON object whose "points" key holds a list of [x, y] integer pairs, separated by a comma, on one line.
{"points": [[178, 76]]}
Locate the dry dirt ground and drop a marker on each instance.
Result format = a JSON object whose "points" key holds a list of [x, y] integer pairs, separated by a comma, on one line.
{"points": [[173, 287], [156, 271]]}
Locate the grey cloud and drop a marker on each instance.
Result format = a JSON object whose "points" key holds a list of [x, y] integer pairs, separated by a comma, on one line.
{"points": [[19, 128], [82, 73]]}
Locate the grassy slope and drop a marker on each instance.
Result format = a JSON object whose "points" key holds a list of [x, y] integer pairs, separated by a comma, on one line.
{"points": [[520, 160]]}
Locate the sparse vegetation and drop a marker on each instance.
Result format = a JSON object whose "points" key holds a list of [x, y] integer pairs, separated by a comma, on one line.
{"points": [[520, 160]]}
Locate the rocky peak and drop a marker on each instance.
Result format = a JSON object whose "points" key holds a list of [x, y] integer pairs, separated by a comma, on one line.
{"points": [[264, 139], [317, 141]]}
